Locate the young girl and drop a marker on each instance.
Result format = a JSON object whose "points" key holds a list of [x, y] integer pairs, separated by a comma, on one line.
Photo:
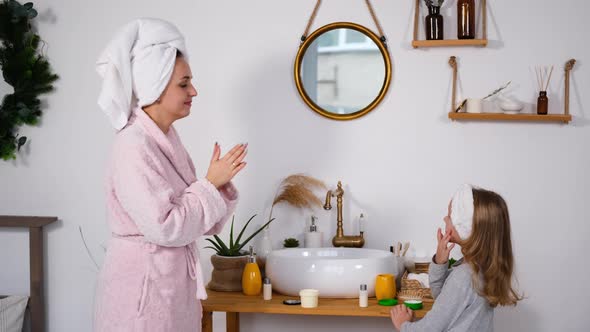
{"points": [[467, 293]]}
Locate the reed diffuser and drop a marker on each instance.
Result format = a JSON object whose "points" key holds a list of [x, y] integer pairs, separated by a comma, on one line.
{"points": [[543, 79]]}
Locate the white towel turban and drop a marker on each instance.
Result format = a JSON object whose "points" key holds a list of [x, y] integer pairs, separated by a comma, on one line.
{"points": [[462, 211], [137, 63]]}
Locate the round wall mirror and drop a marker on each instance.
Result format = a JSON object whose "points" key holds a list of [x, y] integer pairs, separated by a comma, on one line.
{"points": [[342, 71]]}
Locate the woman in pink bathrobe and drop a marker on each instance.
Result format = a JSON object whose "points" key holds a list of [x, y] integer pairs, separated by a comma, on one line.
{"points": [[151, 277]]}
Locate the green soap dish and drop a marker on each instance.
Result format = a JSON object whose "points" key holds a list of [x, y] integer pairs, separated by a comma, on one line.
{"points": [[413, 304], [387, 302]]}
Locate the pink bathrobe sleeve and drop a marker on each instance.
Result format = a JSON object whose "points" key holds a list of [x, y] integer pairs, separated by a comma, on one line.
{"points": [[163, 215]]}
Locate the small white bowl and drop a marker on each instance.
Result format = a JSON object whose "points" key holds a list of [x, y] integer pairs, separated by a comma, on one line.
{"points": [[510, 106]]}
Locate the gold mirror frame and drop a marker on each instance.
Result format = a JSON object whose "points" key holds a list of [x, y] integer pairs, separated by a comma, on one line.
{"points": [[299, 59]]}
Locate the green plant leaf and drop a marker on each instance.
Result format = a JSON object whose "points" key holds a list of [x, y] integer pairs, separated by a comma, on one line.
{"points": [[243, 229], [451, 262], [231, 232], [255, 233], [235, 247], [217, 247], [221, 244], [25, 69]]}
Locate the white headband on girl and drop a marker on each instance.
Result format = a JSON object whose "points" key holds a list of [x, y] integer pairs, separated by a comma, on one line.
{"points": [[462, 211], [138, 62]]}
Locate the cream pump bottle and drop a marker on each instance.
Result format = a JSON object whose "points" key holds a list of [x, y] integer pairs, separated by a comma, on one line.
{"points": [[313, 238], [363, 296]]}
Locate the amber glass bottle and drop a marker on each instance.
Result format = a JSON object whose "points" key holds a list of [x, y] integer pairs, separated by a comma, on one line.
{"points": [[466, 19], [434, 24], [542, 103]]}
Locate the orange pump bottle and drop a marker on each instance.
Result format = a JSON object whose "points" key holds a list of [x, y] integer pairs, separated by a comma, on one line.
{"points": [[251, 277]]}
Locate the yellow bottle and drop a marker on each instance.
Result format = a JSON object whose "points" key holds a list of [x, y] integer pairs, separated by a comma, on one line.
{"points": [[251, 277]]}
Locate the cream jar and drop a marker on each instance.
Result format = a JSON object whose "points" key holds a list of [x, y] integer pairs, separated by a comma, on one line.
{"points": [[309, 298]]}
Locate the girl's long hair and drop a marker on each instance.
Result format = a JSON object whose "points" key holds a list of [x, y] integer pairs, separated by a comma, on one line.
{"points": [[489, 249]]}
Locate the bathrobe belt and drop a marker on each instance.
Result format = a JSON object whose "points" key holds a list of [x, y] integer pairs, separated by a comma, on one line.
{"points": [[194, 269]]}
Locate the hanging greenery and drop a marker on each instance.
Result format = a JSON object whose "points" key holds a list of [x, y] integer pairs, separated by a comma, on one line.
{"points": [[27, 71]]}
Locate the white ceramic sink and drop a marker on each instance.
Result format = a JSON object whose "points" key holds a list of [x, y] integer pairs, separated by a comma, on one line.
{"points": [[335, 272]]}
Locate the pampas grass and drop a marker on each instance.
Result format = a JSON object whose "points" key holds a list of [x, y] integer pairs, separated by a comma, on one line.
{"points": [[297, 190]]}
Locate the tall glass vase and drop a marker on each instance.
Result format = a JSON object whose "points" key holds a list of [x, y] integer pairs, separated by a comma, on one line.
{"points": [[434, 24], [264, 249]]}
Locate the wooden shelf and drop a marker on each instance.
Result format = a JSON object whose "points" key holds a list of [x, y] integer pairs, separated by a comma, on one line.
{"points": [[511, 117], [238, 302], [36, 304], [234, 303], [25, 221], [481, 42], [450, 43], [563, 118]]}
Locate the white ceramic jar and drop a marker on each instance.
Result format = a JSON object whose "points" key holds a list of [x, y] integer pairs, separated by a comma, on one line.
{"points": [[309, 298]]}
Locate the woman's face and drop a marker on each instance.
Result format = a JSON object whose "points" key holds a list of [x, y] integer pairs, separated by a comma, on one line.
{"points": [[175, 101]]}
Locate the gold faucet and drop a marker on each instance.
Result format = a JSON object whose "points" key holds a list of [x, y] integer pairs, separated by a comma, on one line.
{"points": [[341, 240]]}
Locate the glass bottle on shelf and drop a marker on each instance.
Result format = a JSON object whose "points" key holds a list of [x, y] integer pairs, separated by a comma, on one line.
{"points": [[466, 19], [542, 103], [434, 24]]}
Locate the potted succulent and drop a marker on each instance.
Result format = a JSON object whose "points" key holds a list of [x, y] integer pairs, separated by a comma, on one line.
{"points": [[291, 243], [229, 259]]}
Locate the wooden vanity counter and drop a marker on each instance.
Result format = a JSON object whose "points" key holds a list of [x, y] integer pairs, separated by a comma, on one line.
{"points": [[234, 303]]}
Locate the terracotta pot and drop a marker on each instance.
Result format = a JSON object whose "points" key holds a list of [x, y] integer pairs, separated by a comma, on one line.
{"points": [[227, 273]]}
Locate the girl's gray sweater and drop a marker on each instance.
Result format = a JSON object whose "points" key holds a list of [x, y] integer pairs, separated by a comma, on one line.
{"points": [[457, 306]]}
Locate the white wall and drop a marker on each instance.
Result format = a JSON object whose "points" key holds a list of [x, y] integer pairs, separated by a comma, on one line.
{"points": [[399, 164]]}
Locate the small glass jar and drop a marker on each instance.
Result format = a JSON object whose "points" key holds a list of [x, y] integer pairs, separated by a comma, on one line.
{"points": [[542, 103], [434, 24]]}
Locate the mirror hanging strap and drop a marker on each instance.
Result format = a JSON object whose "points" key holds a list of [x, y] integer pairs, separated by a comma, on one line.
{"points": [[310, 21], [371, 11], [374, 16]]}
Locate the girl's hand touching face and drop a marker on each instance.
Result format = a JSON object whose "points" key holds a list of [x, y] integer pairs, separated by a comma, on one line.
{"points": [[449, 227], [443, 250]]}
